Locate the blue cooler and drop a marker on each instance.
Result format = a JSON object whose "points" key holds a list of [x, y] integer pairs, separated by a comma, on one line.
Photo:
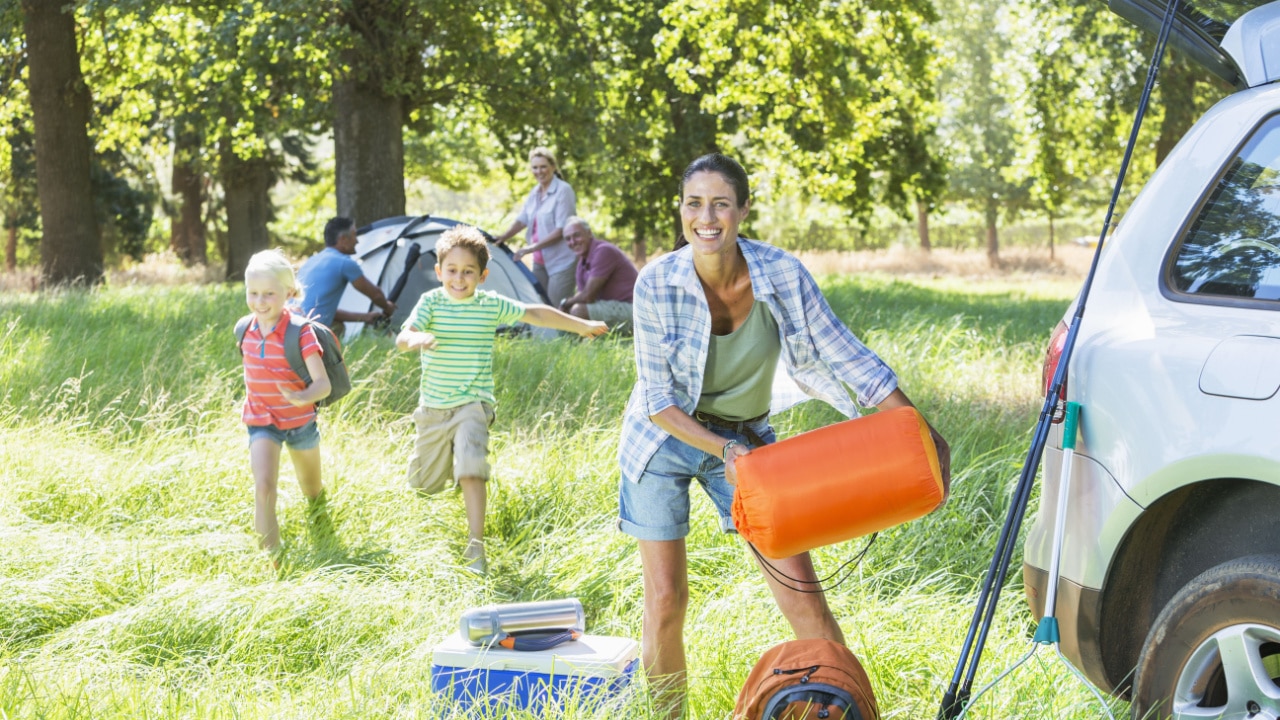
{"points": [[588, 670]]}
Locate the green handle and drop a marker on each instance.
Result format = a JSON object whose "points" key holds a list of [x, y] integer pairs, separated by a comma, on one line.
{"points": [[1069, 427], [1047, 631]]}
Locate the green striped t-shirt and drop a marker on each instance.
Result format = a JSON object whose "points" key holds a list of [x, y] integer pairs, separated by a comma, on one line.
{"points": [[460, 368]]}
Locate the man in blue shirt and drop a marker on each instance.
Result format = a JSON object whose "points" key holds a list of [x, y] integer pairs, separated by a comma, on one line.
{"points": [[324, 277]]}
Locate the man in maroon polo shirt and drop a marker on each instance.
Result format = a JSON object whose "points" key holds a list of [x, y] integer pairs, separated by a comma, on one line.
{"points": [[605, 277]]}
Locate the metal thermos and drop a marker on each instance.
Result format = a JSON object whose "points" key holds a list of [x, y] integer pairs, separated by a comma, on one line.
{"points": [[484, 625]]}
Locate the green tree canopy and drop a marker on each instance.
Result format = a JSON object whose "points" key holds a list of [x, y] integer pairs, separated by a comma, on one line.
{"points": [[981, 88], [1002, 105], [817, 96]]}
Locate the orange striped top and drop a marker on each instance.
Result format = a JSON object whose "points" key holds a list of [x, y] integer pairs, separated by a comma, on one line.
{"points": [[265, 367]]}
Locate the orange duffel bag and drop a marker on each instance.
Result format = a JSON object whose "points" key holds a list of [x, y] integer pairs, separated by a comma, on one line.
{"points": [[837, 483]]}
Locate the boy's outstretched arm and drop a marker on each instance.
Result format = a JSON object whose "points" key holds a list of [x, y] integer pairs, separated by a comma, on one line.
{"points": [[549, 317], [410, 339]]}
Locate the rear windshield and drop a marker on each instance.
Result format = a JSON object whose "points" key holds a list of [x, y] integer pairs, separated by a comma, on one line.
{"points": [[1232, 250], [1213, 17]]}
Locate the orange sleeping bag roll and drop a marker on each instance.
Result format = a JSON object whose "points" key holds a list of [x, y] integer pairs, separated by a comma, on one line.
{"points": [[837, 483]]}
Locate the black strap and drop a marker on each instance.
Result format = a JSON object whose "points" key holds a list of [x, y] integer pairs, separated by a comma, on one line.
{"points": [[851, 565], [742, 427], [538, 640]]}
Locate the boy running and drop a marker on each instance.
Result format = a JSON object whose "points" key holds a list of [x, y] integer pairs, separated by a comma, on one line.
{"points": [[453, 326]]}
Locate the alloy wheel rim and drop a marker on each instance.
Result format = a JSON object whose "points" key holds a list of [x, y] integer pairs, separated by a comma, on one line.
{"points": [[1234, 673]]}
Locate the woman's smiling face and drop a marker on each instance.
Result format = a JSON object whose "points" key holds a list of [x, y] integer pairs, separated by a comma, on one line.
{"points": [[542, 170], [710, 213]]}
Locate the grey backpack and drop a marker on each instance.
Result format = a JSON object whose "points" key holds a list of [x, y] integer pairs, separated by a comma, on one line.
{"points": [[334, 365]]}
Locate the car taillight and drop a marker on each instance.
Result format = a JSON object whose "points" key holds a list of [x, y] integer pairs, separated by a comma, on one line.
{"points": [[1052, 355]]}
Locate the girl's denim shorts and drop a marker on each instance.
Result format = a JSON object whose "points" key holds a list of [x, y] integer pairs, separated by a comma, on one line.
{"points": [[299, 438]]}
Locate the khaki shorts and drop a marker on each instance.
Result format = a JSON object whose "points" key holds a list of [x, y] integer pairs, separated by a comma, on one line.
{"points": [[614, 313], [451, 444]]}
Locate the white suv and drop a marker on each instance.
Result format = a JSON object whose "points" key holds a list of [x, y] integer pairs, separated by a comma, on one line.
{"points": [[1170, 575]]}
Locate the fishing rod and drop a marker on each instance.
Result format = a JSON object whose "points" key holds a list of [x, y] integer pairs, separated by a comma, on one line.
{"points": [[958, 692]]}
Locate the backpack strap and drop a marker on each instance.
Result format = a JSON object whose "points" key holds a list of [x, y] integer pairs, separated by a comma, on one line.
{"points": [[292, 342], [242, 326], [293, 346]]}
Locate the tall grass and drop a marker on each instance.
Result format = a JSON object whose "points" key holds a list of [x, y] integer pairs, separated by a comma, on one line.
{"points": [[130, 583]]}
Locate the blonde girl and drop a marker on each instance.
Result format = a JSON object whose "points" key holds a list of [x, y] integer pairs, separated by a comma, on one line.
{"points": [[279, 408]]}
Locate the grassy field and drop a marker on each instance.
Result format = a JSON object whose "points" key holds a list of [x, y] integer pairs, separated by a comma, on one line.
{"points": [[130, 583]]}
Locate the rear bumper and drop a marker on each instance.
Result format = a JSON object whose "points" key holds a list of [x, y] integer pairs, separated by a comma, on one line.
{"points": [[1078, 612]]}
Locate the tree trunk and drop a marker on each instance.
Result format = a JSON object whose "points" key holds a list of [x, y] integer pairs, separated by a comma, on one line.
{"points": [[71, 247], [922, 225], [1178, 98], [368, 139], [247, 184], [638, 249], [993, 238], [188, 238], [1051, 236], [193, 221], [11, 246]]}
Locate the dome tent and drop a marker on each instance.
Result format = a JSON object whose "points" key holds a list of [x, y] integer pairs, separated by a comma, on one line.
{"points": [[398, 255]]}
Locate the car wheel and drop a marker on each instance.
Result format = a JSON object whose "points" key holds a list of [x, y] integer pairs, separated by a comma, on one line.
{"points": [[1214, 651]]}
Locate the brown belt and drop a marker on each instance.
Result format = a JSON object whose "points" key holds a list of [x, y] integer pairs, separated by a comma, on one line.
{"points": [[742, 427]]}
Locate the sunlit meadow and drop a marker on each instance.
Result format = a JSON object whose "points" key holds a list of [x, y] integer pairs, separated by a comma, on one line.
{"points": [[131, 586]]}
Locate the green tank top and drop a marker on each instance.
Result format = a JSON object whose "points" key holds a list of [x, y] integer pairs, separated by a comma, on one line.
{"points": [[738, 381]]}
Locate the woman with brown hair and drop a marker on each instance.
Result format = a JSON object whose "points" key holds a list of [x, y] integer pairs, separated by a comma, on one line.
{"points": [[712, 321]]}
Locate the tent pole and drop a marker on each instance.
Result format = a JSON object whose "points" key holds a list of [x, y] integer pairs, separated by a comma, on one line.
{"points": [[956, 698]]}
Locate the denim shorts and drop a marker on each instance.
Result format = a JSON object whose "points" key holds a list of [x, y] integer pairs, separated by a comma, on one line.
{"points": [[656, 507], [299, 438]]}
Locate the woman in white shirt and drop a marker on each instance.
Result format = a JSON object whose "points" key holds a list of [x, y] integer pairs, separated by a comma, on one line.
{"points": [[545, 210]]}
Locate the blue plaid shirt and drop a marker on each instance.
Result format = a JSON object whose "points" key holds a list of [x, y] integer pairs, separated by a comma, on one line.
{"points": [[673, 333]]}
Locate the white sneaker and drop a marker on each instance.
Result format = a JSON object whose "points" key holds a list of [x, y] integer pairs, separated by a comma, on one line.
{"points": [[475, 553]]}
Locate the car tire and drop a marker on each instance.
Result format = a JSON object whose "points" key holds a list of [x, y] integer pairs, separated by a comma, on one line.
{"points": [[1231, 609]]}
